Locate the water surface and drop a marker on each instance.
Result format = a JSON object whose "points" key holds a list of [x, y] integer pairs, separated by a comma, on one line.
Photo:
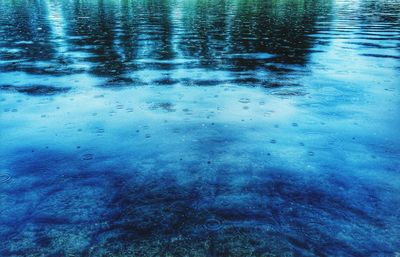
{"points": [[199, 128]]}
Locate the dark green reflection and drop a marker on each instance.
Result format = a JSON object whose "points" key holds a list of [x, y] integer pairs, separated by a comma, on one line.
{"points": [[116, 39]]}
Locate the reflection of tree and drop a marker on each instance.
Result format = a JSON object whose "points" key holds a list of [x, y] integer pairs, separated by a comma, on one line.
{"points": [[205, 31], [217, 28], [25, 31], [114, 37], [92, 28], [157, 27]]}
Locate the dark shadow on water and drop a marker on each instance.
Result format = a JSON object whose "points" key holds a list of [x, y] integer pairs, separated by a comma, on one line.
{"points": [[117, 211], [35, 90]]}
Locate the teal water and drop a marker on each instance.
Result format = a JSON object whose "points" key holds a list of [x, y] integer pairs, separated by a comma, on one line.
{"points": [[199, 128]]}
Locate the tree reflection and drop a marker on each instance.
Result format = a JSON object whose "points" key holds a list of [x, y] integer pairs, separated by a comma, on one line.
{"points": [[250, 40]]}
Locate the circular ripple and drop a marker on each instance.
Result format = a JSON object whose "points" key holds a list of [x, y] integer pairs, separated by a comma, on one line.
{"points": [[87, 157], [244, 100], [4, 177], [213, 224]]}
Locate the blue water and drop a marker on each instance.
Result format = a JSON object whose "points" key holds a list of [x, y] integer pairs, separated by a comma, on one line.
{"points": [[199, 128]]}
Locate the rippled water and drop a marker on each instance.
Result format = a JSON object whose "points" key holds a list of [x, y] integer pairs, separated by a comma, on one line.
{"points": [[199, 128]]}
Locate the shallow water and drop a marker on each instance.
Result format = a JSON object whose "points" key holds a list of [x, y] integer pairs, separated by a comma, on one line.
{"points": [[199, 128]]}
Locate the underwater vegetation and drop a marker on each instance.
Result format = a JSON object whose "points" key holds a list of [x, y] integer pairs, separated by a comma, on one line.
{"points": [[199, 128]]}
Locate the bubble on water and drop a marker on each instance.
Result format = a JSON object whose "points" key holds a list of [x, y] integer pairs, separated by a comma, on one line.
{"points": [[311, 153], [87, 156], [213, 224], [4, 177]]}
